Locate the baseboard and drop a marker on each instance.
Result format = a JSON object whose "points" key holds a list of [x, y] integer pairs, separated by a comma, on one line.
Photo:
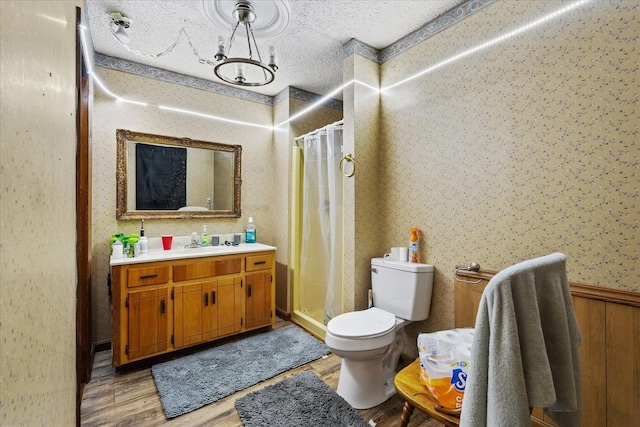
{"points": [[101, 346], [283, 314]]}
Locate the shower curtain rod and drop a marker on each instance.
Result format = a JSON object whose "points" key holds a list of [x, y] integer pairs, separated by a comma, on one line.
{"points": [[313, 132]]}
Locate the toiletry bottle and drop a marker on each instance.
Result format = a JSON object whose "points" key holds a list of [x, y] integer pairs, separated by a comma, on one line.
{"points": [[113, 240], [125, 246], [118, 251], [413, 245], [250, 236], [204, 237], [133, 241], [144, 245]]}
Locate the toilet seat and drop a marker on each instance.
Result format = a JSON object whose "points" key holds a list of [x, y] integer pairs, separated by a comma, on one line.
{"points": [[364, 324]]}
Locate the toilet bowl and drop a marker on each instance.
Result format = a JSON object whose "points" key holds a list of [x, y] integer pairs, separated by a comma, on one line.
{"points": [[371, 341], [366, 340]]}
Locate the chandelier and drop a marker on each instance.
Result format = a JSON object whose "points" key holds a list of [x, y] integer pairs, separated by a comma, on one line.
{"points": [[235, 62], [247, 70]]}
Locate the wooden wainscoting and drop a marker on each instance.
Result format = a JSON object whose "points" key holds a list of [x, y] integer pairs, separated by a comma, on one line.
{"points": [[609, 320]]}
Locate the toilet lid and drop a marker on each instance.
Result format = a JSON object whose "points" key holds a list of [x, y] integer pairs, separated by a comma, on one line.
{"points": [[362, 324]]}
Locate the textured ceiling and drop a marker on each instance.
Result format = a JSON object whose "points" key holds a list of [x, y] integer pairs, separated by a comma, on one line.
{"points": [[309, 50]]}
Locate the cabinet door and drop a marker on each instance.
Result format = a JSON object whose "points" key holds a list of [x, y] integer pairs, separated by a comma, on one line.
{"points": [[148, 322], [259, 312], [188, 307], [230, 305], [211, 300]]}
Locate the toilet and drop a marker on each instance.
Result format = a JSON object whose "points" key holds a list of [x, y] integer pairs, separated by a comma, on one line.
{"points": [[370, 341]]}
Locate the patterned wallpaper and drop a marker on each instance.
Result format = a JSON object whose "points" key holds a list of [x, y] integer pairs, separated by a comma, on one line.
{"points": [[519, 150], [37, 211], [258, 164]]}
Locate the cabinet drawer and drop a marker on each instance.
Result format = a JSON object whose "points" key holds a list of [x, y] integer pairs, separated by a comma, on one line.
{"points": [[259, 262], [200, 270], [228, 266], [194, 270], [147, 276]]}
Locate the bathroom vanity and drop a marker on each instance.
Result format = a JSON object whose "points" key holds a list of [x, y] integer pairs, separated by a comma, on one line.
{"points": [[167, 300]]}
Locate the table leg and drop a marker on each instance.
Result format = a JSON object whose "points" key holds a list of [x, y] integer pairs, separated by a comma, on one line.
{"points": [[407, 410]]}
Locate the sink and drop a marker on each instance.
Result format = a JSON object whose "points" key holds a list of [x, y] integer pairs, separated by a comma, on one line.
{"points": [[200, 249]]}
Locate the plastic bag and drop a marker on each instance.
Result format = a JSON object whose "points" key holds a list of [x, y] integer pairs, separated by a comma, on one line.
{"points": [[444, 363]]}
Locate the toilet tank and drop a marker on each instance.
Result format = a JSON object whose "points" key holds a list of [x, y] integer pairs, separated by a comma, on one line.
{"points": [[402, 288]]}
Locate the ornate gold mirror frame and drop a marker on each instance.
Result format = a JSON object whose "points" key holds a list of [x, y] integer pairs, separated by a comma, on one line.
{"points": [[125, 138]]}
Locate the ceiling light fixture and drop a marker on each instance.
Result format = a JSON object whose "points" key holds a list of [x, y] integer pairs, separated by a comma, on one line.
{"points": [[119, 23], [244, 70]]}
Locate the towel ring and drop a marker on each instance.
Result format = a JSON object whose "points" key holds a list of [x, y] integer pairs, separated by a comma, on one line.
{"points": [[349, 158], [474, 266]]}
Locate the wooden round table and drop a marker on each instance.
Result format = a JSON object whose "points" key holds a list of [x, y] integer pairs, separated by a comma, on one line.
{"points": [[417, 395]]}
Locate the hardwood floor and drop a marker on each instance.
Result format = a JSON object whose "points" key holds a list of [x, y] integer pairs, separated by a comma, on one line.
{"points": [[127, 399]]}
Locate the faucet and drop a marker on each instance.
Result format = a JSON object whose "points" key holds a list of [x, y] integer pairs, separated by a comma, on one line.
{"points": [[195, 241]]}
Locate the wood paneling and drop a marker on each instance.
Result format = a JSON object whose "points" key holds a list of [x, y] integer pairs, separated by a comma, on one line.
{"points": [[84, 340], [467, 295], [609, 354], [593, 361], [623, 365]]}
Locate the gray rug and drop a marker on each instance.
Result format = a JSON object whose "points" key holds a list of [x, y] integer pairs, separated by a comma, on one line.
{"points": [[303, 400], [196, 380]]}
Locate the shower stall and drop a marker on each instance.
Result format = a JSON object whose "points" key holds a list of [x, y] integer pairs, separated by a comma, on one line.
{"points": [[316, 234]]}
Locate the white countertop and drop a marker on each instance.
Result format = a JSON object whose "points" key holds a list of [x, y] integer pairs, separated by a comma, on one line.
{"points": [[160, 254]]}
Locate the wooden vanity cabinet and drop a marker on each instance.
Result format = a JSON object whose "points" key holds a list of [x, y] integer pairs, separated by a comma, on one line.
{"points": [[161, 306]]}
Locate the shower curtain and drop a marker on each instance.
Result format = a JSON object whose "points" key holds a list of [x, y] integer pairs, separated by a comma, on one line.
{"points": [[322, 218]]}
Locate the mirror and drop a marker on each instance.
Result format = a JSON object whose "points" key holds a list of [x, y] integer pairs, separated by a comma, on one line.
{"points": [[165, 177]]}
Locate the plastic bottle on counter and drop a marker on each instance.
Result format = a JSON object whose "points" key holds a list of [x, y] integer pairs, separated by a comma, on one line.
{"points": [[413, 245], [144, 245], [250, 236], [117, 250], [204, 237], [133, 242]]}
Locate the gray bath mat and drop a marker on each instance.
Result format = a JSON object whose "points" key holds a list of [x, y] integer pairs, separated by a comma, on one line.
{"points": [[196, 380], [303, 400]]}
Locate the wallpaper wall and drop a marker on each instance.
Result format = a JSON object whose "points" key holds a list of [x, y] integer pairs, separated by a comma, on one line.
{"points": [[258, 164], [37, 214], [518, 150]]}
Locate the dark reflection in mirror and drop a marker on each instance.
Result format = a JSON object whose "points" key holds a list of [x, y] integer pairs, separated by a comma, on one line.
{"points": [[166, 177]]}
